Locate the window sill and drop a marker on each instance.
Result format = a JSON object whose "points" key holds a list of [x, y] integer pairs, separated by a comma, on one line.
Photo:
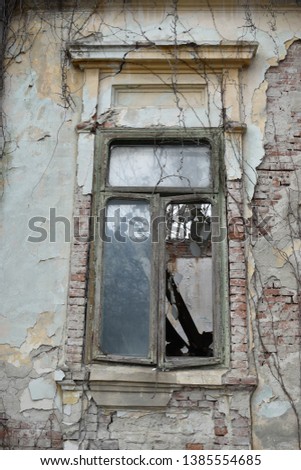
{"points": [[114, 386]]}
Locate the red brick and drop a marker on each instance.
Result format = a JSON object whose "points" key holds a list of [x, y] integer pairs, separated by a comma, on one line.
{"points": [[78, 277], [238, 282], [77, 292], [220, 430], [194, 446]]}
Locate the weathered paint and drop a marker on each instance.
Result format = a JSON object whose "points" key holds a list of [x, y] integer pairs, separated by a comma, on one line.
{"points": [[46, 157]]}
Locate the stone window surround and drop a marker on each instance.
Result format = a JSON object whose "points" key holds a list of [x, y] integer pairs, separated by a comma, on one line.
{"points": [[134, 385]]}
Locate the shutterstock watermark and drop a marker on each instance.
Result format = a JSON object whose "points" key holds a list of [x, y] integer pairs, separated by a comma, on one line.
{"points": [[138, 229]]}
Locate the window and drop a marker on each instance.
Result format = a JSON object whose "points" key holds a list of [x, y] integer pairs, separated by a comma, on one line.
{"points": [[159, 263]]}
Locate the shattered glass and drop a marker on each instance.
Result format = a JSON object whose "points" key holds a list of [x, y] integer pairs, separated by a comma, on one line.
{"points": [[189, 319]]}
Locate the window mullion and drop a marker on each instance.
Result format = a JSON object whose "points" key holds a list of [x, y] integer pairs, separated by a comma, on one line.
{"points": [[155, 277], [161, 284]]}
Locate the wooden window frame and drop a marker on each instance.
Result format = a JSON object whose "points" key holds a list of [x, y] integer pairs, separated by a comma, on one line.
{"points": [[159, 198]]}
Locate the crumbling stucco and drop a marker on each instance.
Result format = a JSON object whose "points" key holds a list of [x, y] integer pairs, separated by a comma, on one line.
{"points": [[46, 158]]}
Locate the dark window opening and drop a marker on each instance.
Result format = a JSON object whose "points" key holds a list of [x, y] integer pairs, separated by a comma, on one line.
{"points": [[189, 319]]}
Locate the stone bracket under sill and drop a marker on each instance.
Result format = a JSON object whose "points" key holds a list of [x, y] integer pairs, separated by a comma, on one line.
{"points": [[136, 387]]}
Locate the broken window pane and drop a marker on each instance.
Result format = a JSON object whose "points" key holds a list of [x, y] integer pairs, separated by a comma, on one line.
{"points": [[126, 273], [179, 166], [189, 317]]}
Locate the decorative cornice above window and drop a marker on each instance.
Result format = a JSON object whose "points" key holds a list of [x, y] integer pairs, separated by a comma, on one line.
{"points": [[90, 53]]}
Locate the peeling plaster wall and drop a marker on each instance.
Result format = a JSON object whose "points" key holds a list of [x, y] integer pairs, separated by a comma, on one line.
{"points": [[41, 172], [39, 175], [193, 419], [276, 276]]}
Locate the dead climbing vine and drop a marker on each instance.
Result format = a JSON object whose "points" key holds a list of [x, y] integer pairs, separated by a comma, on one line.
{"points": [[66, 25]]}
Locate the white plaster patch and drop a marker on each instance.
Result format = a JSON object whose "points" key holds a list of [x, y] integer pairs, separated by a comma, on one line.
{"points": [[233, 156], [46, 362], [73, 415], [268, 404], [70, 445], [58, 375], [241, 404], [54, 327], [67, 410], [253, 155], [274, 409], [90, 91], [42, 388], [85, 162], [259, 100], [224, 405], [13, 333], [26, 402]]}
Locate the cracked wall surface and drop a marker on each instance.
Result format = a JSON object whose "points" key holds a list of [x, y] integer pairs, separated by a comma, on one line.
{"points": [[47, 165], [199, 419], [276, 278]]}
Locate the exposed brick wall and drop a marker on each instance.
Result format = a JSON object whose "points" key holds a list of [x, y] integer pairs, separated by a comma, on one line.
{"points": [[237, 285], [276, 187], [77, 295], [283, 134], [276, 251], [275, 199], [23, 435], [279, 321], [195, 418], [225, 411]]}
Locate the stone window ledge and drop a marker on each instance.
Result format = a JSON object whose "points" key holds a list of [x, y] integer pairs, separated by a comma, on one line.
{"points": [[115, 386], [142, 374], [132, 387]]}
